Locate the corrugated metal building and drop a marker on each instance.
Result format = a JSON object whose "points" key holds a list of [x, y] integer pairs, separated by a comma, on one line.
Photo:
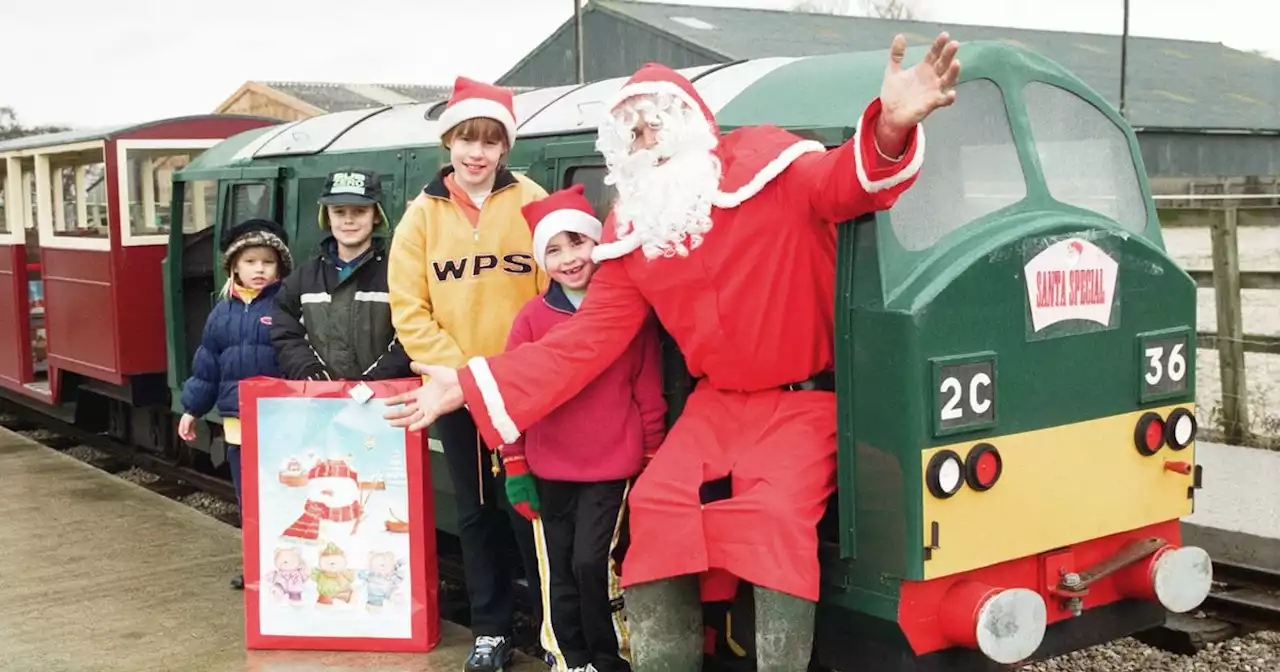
{"points": [[1204, 112]]}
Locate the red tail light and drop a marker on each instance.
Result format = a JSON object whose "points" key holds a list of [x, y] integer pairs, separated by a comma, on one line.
{"points": [[983, 466], [1148, 436]]}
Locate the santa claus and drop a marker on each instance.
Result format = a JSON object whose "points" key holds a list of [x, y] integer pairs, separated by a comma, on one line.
{"points": [[709, 231]]}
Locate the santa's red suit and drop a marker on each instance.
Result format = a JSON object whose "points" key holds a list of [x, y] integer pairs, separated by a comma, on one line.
{"points": [[752, 310]]}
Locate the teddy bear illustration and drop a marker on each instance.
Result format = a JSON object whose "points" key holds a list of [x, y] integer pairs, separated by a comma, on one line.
{"points": [[290, 574], [333, 579], [383, 576]]}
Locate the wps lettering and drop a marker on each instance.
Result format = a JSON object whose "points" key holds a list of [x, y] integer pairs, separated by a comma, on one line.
{"points": [[457, 269]]}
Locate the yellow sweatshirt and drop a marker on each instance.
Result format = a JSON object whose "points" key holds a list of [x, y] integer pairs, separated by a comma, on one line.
{"points": [[456, 288]]}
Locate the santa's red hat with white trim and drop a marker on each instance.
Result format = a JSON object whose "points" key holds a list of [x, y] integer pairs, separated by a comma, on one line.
{"points": [[564, 210], [656, 78], [477, 100]]}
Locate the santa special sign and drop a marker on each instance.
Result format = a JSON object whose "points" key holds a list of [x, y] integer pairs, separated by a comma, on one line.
{"points": [[1072, 279], [339, 542]]}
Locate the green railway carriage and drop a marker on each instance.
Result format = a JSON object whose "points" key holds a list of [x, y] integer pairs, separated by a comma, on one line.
{"points": [[1015, 357]]}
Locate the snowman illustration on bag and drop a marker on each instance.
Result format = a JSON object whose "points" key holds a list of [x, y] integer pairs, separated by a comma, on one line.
{"points": [[333, 508]]}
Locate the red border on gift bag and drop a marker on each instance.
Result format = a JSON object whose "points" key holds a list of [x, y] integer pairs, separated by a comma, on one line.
{"points": [[425, 614]]}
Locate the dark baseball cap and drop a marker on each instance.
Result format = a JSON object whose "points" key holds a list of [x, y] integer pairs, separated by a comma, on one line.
{"points": [[351, 187]]}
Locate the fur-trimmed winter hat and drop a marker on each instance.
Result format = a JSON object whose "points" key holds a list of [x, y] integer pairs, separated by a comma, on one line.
{"points": [[255, 233]]}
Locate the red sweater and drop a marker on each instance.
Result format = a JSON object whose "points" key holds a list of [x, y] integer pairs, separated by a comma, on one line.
{"points": [[603, 433]]}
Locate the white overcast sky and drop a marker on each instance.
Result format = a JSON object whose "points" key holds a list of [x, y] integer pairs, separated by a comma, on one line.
{"points": [[95, 62]]}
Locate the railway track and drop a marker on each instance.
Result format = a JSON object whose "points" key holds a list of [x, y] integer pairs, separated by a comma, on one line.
{"points": [[1245, 595], [1242, 600], [175, 481]]}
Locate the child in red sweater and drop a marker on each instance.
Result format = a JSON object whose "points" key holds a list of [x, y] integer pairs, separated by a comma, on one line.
{"points": [[570, 473]]}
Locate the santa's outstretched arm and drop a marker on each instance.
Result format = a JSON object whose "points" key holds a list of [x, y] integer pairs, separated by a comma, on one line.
{"points": [[511, 391], [857, 177]]}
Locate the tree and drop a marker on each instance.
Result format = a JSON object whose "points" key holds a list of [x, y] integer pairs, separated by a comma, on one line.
{"points": [[11, 128], [881, 9]]}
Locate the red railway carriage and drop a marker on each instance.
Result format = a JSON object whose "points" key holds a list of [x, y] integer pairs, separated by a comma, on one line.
{"points": [[84, 224]]}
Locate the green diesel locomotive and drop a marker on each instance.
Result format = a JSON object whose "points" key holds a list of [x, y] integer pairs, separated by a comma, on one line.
{"points": [[1015, 355]]}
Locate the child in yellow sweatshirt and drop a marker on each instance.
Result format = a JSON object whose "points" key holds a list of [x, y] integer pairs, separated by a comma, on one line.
{"points": [[460, 269]]}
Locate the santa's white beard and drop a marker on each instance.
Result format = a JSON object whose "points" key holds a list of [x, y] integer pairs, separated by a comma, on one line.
{"points": [[668, 206]]}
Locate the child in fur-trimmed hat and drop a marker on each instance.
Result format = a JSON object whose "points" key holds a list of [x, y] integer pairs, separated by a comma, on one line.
{"points": [[236, 343]]}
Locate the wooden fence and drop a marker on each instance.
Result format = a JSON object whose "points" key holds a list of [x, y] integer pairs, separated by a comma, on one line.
{"points": [[1224, 216]]}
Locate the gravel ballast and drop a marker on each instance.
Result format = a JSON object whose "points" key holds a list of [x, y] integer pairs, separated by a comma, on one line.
{"points": [[1257, 652]]}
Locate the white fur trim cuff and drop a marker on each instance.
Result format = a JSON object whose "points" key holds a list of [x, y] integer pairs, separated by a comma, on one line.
{"points": [[617, 249], [906, 173], [771, 170], [560, 221], [651, 88], [493, 403], [475, 108]]}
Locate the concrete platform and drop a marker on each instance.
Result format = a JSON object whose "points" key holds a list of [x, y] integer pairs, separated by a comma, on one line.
{"points": [[1240, 491], [1237, 511], [101, 574]]}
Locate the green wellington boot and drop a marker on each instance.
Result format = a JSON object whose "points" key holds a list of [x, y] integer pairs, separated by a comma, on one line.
{"points": [[665, 622], [784, 631]]}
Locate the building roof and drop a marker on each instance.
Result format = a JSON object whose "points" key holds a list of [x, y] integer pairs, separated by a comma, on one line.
{"points": [[99, 133], [1171, 84], [339, 97]]}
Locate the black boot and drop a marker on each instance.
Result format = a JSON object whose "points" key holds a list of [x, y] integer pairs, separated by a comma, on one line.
{"points": [[490, 654], [665, 622], [238, 582], [784, 631]]}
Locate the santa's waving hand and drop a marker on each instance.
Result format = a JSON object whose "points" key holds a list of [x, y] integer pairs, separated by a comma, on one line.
{"points": [[908, 96]]}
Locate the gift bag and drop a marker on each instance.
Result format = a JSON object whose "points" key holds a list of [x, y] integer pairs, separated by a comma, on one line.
{"points": [[338, 519]]}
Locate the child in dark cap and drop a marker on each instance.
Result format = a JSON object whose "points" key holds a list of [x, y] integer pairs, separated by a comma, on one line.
{"points": [[236, 344], [332, 318]]}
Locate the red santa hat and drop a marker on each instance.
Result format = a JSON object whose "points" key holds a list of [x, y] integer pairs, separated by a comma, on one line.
{"points": [[476, 100], [565, 210], [656, 78]]}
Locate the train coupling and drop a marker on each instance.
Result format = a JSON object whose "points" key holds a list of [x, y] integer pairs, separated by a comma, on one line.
{"points": [[1179, 577]]}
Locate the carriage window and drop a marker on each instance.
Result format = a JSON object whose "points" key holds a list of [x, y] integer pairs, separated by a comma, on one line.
{"points": [[970, 169], [596, 191], [248, 201], [1085, 156], [30, 208], [150, 180], [199, 203], [4, 193], [79, 199]]}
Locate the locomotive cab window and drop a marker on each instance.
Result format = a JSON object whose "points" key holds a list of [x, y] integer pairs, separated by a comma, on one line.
{"points": [[1085, 156], [971, 168], [600, 195], [199, 204], [248, 201]]}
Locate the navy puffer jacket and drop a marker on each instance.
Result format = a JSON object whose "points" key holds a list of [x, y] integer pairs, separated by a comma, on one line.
{"points": [[236, 345]]}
